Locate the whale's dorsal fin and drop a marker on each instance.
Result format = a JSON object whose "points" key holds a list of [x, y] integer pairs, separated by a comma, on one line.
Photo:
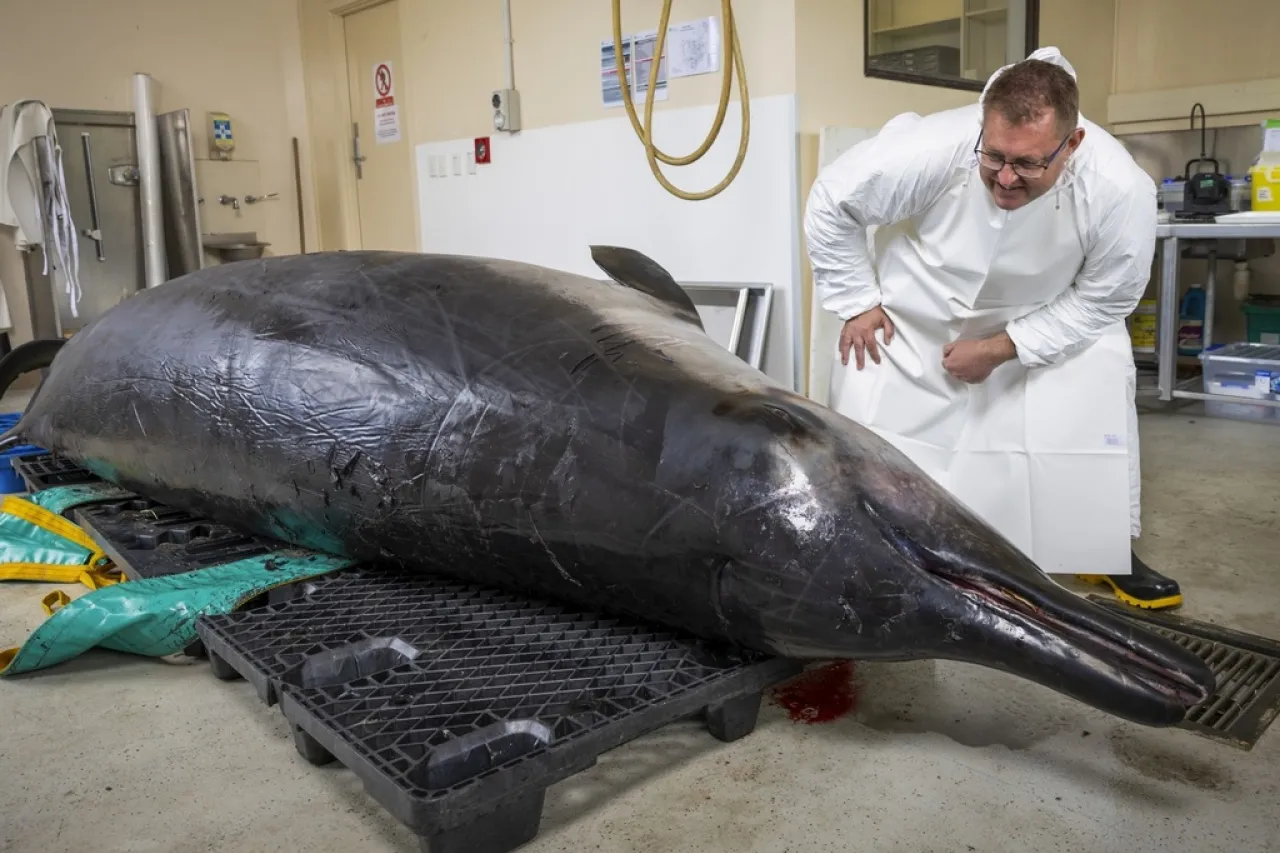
{"points": [[637, 270]]}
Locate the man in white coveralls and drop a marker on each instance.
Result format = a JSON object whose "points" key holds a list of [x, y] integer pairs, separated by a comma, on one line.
{"points": [[984, 325]]}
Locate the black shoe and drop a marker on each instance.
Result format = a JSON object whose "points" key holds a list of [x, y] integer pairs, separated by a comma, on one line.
{"points": [[1144, 588]]}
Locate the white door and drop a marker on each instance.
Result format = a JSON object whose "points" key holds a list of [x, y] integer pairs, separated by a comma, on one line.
{"points": [[384, 178]]}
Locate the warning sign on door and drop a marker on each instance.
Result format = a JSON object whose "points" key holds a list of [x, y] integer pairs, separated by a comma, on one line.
{"points": [[386, 115]]}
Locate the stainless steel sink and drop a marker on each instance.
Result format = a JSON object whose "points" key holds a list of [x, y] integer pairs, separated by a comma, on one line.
{"points": [[234, 245]]}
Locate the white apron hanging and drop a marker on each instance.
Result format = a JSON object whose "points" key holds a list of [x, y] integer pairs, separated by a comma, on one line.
{"points": [[1044, 455]]}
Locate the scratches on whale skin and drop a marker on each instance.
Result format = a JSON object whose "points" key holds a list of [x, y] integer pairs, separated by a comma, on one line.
{"points": [[585, 363], [555, 561], [717, 594], [341, 469], [611, 350], [849, 615]]}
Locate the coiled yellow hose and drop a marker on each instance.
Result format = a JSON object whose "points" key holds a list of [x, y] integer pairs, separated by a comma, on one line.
{"points": [[732, 62]]}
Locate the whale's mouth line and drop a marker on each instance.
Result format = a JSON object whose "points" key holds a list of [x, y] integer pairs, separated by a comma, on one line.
{"points": [[1092, 644], [1016, 608]]}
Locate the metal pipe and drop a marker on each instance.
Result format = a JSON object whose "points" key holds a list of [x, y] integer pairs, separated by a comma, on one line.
{"points": [[185, 251], [94, 232], [510, 45], [155, 264], [1210, 296], [297, 187], [1168, 306]]}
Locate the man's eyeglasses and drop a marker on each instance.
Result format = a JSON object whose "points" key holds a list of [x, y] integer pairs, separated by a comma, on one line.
{"points": [[1022, 169]]}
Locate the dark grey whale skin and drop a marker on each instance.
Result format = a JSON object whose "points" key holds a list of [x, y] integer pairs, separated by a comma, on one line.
{"points": [[584, 439]]}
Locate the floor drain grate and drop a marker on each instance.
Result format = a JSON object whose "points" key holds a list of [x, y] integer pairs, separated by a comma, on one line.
{"points": [[1247, 698]]}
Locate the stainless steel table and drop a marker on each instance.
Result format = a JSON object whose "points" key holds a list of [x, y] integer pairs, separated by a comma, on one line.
{"points": [[1168, 236]]}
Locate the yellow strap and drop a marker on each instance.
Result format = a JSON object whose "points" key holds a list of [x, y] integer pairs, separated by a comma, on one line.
{"points": [[95, 573], [54, 600], [94, 577]]}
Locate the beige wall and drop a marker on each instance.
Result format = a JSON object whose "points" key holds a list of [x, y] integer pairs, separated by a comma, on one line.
{"points": [[241, 57]]}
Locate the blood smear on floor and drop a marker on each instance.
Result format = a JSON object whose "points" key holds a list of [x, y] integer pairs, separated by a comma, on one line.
{"points": [[819, 695]]}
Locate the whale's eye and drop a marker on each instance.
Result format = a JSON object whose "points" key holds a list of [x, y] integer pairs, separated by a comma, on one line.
{"points": [[776, 418]]}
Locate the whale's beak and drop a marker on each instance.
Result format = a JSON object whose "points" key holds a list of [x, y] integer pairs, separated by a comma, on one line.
{"points": [[1000, 610], [1004, 612], [1032, 627]]}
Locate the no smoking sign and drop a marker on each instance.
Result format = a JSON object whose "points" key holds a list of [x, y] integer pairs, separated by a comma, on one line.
{"points": [[386, 116], [382, 86]]}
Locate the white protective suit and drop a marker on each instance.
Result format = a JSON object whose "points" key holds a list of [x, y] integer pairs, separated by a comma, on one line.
{"points": [[1046, 449]]}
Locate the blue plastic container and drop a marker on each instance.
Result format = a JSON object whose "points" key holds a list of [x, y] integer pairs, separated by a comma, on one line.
{"points": [[10, 482], [1191, 321]]}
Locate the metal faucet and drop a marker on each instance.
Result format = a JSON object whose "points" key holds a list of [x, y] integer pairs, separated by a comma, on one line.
{"points": [[231, 200]]}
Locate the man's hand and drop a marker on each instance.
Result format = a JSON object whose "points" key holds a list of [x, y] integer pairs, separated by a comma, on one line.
{"points": [[973, 361], [860, 334]]}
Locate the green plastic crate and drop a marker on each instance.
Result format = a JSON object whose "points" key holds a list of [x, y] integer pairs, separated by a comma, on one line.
{"points": [[1262, 319]]}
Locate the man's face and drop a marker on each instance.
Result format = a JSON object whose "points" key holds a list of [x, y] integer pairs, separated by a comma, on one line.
{"points": [[1027, 148]]}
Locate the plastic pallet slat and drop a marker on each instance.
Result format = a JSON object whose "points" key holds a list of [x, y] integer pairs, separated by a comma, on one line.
{"points": [[44, 470], [146, 539], [457, 705]]}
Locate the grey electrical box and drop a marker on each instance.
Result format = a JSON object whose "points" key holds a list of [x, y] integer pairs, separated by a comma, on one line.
{"points": [[506, 109]]}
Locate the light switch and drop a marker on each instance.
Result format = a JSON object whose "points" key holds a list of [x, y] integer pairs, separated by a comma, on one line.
{"points": [[471, 162], [457, 164]]}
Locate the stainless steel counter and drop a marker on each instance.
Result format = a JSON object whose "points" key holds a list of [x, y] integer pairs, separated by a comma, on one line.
{"points": [[1169, 236]]}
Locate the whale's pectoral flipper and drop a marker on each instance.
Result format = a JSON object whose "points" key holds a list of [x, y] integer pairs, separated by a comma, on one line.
{"points": [[637, 270]]}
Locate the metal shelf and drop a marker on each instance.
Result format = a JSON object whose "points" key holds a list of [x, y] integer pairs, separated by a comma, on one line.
{"points": [[1218, 230], [1168, 235]]}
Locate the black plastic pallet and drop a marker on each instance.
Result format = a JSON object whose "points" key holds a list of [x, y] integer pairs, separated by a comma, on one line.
{"points": [[458, 706], [44, 470], [146, 539], [142, 537]]}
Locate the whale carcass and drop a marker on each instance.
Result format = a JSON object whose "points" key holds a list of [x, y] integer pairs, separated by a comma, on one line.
{"points": [[585, 439]]}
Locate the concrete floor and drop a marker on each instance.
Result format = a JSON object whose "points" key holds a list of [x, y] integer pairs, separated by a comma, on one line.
{"points": [[109, 753]]}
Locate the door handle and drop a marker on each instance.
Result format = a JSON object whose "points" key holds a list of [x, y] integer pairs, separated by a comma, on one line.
{"points": [[355, 144], [95, 233]]}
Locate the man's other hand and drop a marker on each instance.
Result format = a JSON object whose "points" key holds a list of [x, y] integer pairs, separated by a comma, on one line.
{"points": [[860, 334], [973, 361]]}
